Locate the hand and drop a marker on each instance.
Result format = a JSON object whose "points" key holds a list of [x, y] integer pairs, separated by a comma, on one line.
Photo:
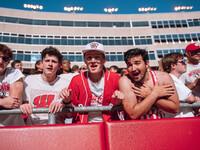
{"points": [[142, 91], [10, 102], [65, 94], [196, 81], [197, 99], [55, 107], [118, 96], [26, 109], [197, 112], [163, 90]]}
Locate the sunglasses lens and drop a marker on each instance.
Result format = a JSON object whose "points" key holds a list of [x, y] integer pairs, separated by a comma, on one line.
{"points": [[5, 58], [184, 61]]}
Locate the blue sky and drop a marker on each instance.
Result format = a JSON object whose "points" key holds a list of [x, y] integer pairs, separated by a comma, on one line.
{"points": [[94, 6]]}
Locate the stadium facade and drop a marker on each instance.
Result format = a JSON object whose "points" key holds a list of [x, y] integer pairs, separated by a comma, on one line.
{"points": [[27, 33]]}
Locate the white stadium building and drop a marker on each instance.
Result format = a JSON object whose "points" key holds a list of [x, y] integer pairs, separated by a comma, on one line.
{"points": [[27, 33]]}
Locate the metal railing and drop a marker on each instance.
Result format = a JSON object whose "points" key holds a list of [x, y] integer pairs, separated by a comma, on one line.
{"points": [[52, 118]]}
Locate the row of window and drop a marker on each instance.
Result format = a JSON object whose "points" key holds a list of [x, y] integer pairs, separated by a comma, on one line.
{"points": [[161, 53], [78, 57], [72, 56], [175, 23], [154, 24], [49, 41], [177, 38], [193, 22], [169, 24], [63, 22]]}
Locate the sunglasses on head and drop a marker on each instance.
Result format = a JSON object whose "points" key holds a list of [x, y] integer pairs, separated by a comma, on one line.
{"points": [[5, 58]]}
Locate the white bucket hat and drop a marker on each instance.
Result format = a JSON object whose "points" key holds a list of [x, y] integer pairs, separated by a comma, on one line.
{"points": [[94, 46]]}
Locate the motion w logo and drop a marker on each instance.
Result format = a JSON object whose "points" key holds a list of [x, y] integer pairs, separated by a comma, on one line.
{"points": [[43, 100]]}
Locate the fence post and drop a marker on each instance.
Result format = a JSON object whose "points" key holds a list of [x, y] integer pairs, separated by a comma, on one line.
{"points": [[51, 118]]}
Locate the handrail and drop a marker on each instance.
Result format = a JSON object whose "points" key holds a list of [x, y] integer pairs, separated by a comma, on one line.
{"points": [[51, 117]]}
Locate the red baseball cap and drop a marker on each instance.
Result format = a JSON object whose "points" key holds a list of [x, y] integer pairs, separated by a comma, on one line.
{"points": [[192, 47]]}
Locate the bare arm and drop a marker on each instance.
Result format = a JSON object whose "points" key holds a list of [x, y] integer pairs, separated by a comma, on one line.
{"points": [[16, 89], [195, 83], [130, 104], [168, 103], [13, 100]]}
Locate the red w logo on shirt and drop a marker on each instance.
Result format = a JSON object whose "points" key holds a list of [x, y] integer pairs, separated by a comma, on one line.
{"points": [[43, 100]]}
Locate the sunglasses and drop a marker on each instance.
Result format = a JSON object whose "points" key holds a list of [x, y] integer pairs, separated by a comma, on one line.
{"points": [[83, 68], [182, 61], [5, 58]]}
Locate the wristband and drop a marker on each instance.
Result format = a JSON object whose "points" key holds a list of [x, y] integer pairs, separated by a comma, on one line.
{"points": [[67, 102]]}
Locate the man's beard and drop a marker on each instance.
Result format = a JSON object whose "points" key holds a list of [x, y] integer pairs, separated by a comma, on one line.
{"points": [[139, 82]]}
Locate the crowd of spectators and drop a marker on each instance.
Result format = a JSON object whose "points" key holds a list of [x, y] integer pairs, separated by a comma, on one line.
{"points": [[143, 92]]}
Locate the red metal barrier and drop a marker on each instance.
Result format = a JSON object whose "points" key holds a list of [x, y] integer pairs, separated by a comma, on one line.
{"points": [[163, 134], [59, 137]]}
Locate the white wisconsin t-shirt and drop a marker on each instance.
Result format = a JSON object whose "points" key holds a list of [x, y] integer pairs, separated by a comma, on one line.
{"points": [[188, 77], [97, 90], [10, 76], [40, 94]]}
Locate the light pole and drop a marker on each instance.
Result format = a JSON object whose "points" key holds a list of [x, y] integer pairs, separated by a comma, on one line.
{"points": [[182, 8], [73, 9], [33, 7], [147, 9], [110, 10]]}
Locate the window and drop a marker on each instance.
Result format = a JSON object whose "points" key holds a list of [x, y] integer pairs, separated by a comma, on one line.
{"points": [[56, 41], [194, 37], [49, 41], [28, 40], [11, 19], [106, 24], [166, 24], [160, 25], [163, 39], [156, 39], [184, 23], [39, 22], [151, 55], [140, 24], [25, 21], [80, 24], [159, 53], [53, 23], [153, 24], [93, 24], [178, 23], [187, 37], [172, 24], [6, 39], [169, 38], [175, 37], [118, 24], [67, 23], [181, 37]]}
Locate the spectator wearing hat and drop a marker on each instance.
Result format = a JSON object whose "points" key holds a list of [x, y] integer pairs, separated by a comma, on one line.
{"points": [[95, 87], [191, 78]]}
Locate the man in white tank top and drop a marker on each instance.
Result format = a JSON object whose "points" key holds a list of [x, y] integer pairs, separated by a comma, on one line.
{"points": [[161, 90]]}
